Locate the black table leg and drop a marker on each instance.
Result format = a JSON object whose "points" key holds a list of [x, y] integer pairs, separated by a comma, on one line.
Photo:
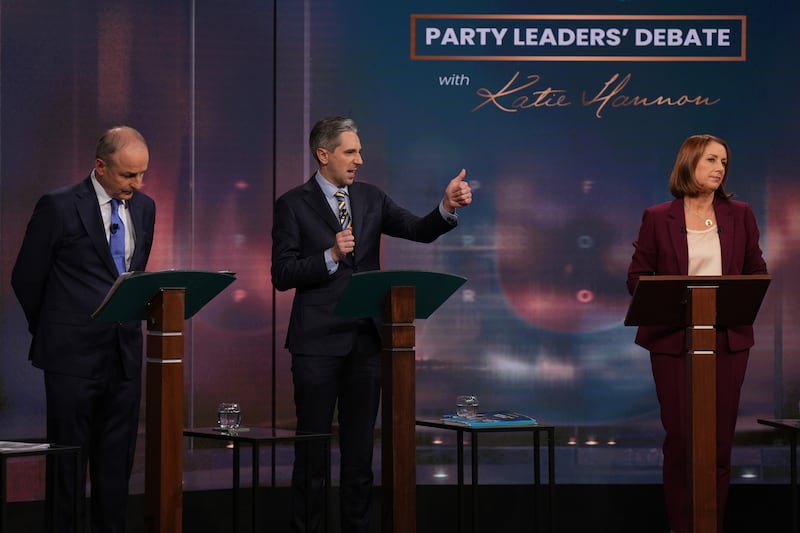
{"points": [[537, 480], [236, 462], [793, 476], [460, 478], [474, 452], [3, 511], [256, 482], [551, 476]]}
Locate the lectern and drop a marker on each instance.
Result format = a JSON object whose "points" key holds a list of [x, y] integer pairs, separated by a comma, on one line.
{"points": [[397, 298], [165, 300], [700, 304]]}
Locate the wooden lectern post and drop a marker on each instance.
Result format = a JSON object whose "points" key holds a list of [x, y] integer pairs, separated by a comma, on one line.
{"points": [[701, 346], [700, 304], [164, 300], [397, 298], [164, 413], [398, 452]]}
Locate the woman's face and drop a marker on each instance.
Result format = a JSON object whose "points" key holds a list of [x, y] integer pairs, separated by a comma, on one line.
{"points": [[711, 167]]}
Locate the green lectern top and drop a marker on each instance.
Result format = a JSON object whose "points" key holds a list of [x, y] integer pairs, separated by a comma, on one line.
{"points": [[130, 296], [366, 291]]}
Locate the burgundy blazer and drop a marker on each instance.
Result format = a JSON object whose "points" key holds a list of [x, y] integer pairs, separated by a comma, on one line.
{"points": [[662, 249]]}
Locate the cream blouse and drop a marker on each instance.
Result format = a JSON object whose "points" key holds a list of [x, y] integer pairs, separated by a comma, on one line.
{"points": [[705, 253]]}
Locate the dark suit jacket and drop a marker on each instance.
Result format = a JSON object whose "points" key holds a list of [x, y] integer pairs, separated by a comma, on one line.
{"points": [[63, 271], [304, 227], [662, 249]]}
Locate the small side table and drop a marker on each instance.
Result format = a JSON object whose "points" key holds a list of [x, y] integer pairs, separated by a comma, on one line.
{"points": [[255, 437], [536, 431], [39, 448], [791, 427]]}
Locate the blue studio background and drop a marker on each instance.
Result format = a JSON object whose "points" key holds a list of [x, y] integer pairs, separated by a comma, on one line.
{"points": [[564, 144]]}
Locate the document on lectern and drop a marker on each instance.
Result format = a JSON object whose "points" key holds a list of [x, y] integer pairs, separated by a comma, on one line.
{"points": [[113, 290], [15, 446]]}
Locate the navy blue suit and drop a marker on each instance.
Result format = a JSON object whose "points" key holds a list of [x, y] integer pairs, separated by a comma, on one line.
{"points": [[92, 368], [336, 361]]}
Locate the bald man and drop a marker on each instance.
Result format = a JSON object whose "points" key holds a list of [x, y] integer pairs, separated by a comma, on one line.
{"points": [[92, 369]]}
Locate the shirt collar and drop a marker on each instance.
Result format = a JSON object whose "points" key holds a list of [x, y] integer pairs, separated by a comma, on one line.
{"points": [[102, 196], [328, 188]]}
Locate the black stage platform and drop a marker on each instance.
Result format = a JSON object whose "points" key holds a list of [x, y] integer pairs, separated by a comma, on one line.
{"points": [[504, 508]]}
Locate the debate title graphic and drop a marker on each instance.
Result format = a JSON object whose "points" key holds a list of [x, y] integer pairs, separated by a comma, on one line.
{"points": [[587, 38]]}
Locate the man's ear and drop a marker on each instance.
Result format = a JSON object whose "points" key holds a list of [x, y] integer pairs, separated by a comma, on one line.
{"points": [[322, 155]]}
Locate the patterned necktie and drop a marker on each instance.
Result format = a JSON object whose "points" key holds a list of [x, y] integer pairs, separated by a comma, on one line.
{"points": [[344, 216], [116, 240]]}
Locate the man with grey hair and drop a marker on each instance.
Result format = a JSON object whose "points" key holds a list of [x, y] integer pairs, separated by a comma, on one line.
{"points": [[324, 231]]}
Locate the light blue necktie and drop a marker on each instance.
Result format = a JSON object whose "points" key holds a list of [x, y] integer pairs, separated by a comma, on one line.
{"points": [[116, 240]]}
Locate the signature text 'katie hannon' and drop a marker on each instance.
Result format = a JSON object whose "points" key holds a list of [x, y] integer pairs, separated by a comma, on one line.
{"points": [[531, 92]]}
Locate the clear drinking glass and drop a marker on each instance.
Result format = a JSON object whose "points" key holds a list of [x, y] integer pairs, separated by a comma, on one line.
{"points": [[229, 415], [467, 405]]}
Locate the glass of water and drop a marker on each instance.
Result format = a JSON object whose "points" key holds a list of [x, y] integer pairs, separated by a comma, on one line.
{"points": [[467, 405], [229, 415]]}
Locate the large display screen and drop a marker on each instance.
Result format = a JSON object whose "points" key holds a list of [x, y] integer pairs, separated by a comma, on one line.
{"points": [[566, 116]]}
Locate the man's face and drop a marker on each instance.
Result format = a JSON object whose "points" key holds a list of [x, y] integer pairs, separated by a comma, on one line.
{"points": [[124, 172], [339, 167]]}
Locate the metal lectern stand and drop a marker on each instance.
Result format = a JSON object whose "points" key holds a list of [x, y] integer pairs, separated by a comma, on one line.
{"points": [[700, 304]]}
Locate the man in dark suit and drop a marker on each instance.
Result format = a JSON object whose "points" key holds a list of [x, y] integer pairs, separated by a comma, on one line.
{"points": [[92, 369], [319, 240]]}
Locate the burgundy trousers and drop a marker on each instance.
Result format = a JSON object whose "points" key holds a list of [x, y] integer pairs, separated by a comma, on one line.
{"points": [[670, 374]]}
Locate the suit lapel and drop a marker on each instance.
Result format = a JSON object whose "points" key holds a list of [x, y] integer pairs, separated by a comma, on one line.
{"points": [[316, 200], [356, 206], [136, 212], [89, 213], [677, 232], [725, 226]]}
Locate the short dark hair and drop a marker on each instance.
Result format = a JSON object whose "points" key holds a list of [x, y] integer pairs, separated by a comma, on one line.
{"points": [[681, 181], [326, 132]]}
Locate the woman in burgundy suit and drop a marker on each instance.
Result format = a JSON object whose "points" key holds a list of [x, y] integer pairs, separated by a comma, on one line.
{"points": [[700, 233]]}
